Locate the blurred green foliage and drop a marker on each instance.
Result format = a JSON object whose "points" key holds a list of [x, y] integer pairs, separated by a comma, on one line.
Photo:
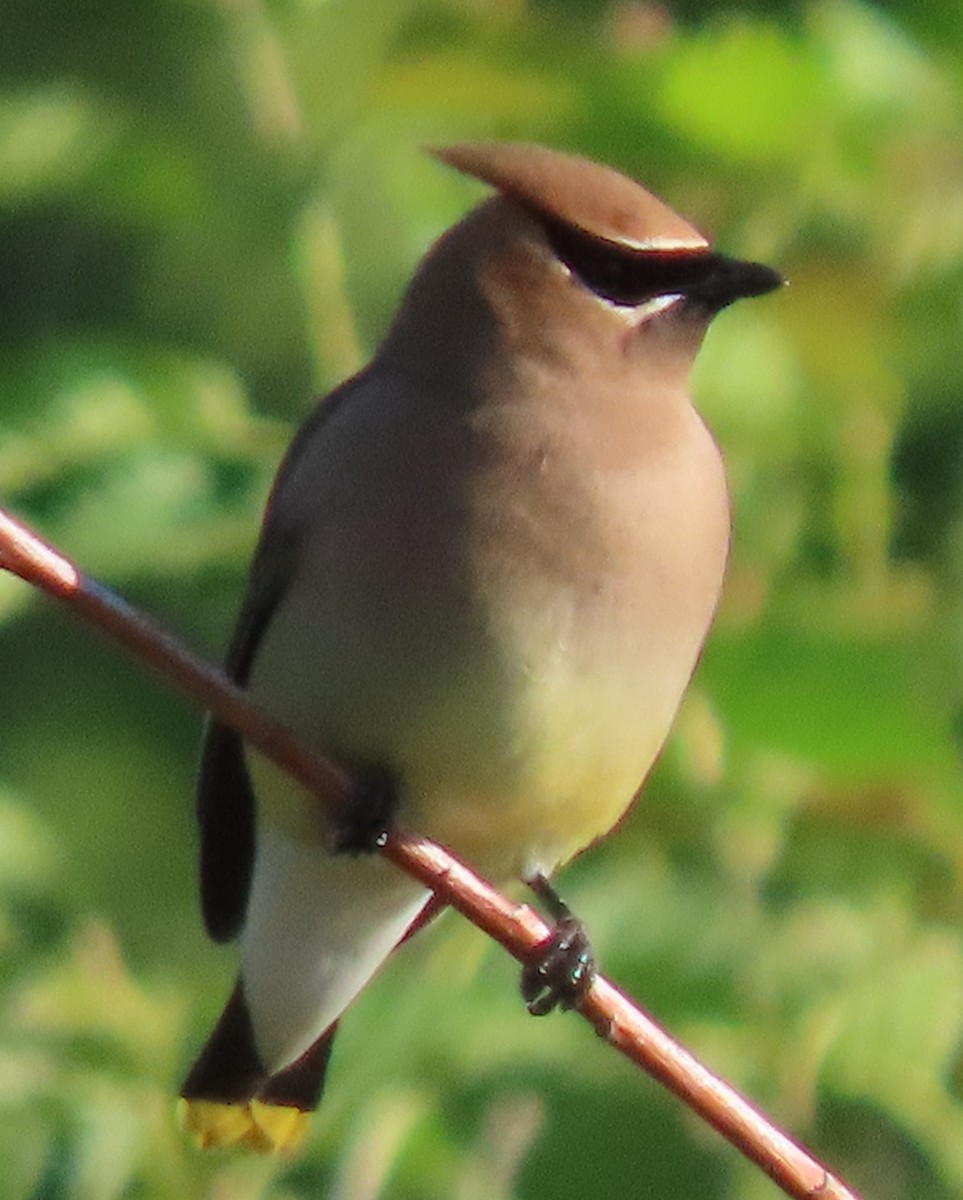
{"points": [[207, 211]]}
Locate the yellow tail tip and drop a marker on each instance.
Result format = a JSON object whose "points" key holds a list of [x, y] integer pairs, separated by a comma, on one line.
{"points": [[253, 1125]]}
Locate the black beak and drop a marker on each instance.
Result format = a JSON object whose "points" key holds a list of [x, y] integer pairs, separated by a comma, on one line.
{"points": [[726, 279]]}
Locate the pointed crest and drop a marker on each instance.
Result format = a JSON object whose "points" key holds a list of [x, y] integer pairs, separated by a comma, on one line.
{"points": [[595, 199]]}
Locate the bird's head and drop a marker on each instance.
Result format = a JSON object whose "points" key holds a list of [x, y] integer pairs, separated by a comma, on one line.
{"points": [[571, 257]]}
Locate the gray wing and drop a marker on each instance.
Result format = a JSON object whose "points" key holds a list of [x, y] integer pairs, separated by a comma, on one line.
{"points": [[225, 800]]}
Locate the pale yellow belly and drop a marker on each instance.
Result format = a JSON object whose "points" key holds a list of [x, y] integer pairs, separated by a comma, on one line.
{"points": [[514, 761], [520, 693]]}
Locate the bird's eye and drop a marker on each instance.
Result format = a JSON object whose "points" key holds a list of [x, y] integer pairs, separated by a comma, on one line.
{"points": [[624, 277]]}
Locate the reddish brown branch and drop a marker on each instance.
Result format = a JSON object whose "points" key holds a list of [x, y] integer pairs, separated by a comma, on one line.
{"points": [[517, 927]]}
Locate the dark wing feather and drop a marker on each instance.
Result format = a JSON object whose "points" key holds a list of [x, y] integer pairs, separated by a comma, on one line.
{"points": [[225, 800]]}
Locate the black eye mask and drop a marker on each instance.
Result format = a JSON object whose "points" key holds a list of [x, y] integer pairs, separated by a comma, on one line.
{"points": [[628, 278]]}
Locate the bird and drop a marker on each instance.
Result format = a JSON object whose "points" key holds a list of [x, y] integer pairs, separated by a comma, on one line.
{"points": [[485, 573]]}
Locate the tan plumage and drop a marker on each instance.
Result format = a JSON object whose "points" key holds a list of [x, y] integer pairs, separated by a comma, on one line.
{"points": [[487, 568]]}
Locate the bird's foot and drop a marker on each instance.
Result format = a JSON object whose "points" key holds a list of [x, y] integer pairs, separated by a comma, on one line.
{"points": [[564, 973], [362, 824]]}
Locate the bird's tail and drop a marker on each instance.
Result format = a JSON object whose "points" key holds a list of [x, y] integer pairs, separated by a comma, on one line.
{"points": [[229, 1099]]}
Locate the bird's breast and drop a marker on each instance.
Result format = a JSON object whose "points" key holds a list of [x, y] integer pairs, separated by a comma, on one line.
{"points": [[595, 566], [511, 633]]}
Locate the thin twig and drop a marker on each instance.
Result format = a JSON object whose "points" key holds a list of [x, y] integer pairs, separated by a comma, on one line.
{"points": [[517, 927]]}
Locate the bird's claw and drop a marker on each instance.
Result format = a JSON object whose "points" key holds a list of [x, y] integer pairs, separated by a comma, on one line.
{"points": [[363, 823], [564, 973]]}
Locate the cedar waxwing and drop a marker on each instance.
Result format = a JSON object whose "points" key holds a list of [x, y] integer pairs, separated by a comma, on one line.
{"points": [[486, 570]]}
